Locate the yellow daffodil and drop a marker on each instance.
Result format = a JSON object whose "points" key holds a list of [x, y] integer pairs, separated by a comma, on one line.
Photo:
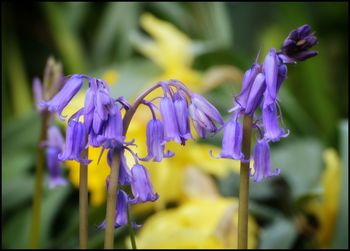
{"points": [[325, 208], [197, 223]]}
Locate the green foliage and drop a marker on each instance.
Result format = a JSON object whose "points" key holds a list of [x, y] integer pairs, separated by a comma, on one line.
{"points": [[92, 38]]}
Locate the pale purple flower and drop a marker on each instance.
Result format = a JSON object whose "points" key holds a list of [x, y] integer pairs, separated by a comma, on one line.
{"points": [[54, 146], [182, 115], [204, 115], [156, 142], [232, 140], [262, 165], [38, 93], [65, 95], [167, 110], [75, 143], [141, 185], [248, 80], [270, 69], [256, 94]]}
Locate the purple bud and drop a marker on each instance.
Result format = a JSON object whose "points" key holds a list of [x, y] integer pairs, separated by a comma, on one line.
{"points": [[38, 93], [75, 143], [155, 142], [141, 185], [167, 110], [262, 165], [64, 96], [182, 115], [296, 46]]}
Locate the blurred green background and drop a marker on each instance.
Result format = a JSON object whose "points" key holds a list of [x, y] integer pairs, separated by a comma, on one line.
{"points": [[93, 38]]}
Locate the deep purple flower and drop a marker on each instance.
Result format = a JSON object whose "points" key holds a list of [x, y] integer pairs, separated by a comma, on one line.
{"points": [[182, 116], [75, 143], [156, 142], [296, 46], [141, 185], [204, 115], [232, 140], [262, 165], [167, 110], [65, 95], [121, 214], [54, 146], [270, 121]]}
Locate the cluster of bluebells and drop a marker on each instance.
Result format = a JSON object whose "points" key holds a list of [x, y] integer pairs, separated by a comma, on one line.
{"points": [[260, 87], [103, 127]]}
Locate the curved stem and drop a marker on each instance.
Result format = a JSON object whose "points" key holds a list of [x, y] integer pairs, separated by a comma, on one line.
{"points": [[244, 185], [111, 201], [130, 113], [132, 234], [83, 204], [35, 229]]}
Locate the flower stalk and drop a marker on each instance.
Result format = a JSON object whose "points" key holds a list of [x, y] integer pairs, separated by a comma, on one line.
{"points": [[83, 204], [244, 185], [39, 172], [111, 201]]}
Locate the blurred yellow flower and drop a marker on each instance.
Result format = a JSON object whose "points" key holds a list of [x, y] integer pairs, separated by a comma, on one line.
{"points": [[170, 50], [197, 223], [325, 208]]}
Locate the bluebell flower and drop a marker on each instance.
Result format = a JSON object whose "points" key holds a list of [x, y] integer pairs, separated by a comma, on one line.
{"points": [[270, 121], [65, 95], [75, 143], [141, 185], [232, 139], [182, 116], [54, 146], [256, 94], [204, 115], [262, 165], [38, 93], [167, 110], [156, 142], [296, 47], [270, 69], [248, 80]]}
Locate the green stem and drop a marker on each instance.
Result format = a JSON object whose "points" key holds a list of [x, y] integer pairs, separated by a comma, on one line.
{"points": [[244, 185], [132, 234], [111, 201], [35, 229], [83, 204]]}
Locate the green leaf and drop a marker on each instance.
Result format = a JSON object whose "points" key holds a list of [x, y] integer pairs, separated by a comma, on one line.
{"points": [[280, 234], [300, 161], [341, 233]]}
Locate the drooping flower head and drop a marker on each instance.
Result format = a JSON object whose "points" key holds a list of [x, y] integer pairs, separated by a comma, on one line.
{"points": [[262, 165], [260, 87]]}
